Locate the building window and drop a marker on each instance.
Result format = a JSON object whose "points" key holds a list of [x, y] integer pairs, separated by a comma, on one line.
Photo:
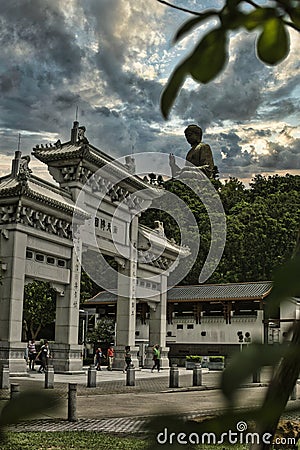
{"points": [[137, 333], [179, 326], [39, 257], [61, 263], [50, 260], [96, 222], [29, 254], [169, 333], [203, 333], [190, 326]]}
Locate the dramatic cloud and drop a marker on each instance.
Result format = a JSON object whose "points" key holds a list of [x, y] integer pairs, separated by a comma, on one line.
{"points": [[112, 58]]}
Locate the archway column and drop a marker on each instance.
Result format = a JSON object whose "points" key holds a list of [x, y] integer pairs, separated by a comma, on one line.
{"points": [[13, 257], [67, 353], [158, 327], [126, 304]]}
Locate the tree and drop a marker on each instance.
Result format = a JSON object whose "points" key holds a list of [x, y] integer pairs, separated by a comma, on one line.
{"points": [[210, 54], [88, 288], [39, 306], [262, 226], [104, 331]]}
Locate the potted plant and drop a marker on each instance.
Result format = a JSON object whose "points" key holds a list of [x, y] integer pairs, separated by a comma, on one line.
{"points": [[216, 362], [191, 360]]}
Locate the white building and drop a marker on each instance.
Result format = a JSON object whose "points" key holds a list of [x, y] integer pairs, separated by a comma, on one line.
{"points": [[208, 319]]}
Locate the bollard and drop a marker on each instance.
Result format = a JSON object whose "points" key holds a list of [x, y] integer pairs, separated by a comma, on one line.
{"points": [[4, 377], [197, 375], [14, 391], [72, 402], [174, 376], [130, 376], [49, 378], [92, 376], [256, 376], [294, 393]]}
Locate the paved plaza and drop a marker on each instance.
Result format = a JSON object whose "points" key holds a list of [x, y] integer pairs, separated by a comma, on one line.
{"points": [[114, 407]]}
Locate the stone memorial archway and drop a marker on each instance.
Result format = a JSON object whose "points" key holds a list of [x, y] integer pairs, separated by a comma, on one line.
{"points": [[37, 223]]}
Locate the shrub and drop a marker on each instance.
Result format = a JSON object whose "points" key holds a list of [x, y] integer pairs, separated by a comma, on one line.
{"points": [[194, 358], [216, 359]]}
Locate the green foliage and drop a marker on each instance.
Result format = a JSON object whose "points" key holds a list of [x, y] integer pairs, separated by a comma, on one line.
{"points": [[104, 331], [87, 287], [210, 55], [39, 306], [70, 440], [262, 226], [273, 43]]}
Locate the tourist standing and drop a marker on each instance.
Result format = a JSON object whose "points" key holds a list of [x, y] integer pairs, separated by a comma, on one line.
{"points": [[110, 357], [31, 353], [98, 356], [156, 358], [43, 356], [127, 357]]}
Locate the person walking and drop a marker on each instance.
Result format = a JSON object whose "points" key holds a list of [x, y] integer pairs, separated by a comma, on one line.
{"points": [[98, 356], [110, 357], [156, 358], [31, 354], [43, 356], [127, 357]]}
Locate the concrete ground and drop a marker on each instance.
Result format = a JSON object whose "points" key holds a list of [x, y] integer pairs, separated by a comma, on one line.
{"points": [[114, 407]]}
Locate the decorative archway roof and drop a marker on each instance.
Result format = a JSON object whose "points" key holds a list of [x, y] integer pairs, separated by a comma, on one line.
{"points": [[39, 191], [79, 150]]}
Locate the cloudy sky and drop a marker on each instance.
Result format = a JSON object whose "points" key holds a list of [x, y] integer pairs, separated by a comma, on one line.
{"points": [[111, 58]]}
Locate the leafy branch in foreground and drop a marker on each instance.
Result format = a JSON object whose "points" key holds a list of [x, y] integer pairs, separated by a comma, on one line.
{"points": [[210, 54], [26, 405], [283, 358]]}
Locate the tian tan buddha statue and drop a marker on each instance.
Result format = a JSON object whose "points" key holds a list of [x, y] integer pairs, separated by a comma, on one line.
{"points": [[200, 154]]}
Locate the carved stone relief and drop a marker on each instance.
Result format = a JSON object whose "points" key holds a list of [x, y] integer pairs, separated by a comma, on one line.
{"points": [[36, 219]]}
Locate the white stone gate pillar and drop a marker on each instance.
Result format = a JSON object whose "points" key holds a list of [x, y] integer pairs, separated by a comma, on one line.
{"points": [[126, 304], [13, 258], [67, 352], [158, 327]]}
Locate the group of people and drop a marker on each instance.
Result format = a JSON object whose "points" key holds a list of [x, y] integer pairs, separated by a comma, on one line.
{"points": [[42, 356], [99, 355], [127, 358], [110, 358]]}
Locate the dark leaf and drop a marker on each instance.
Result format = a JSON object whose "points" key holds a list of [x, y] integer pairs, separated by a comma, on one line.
{"points": [[190, 24], [173, 86], [273, 43], [209, 57], [27, 404], [286, 284], [251, 359], [295, 15], [258, 17]]}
